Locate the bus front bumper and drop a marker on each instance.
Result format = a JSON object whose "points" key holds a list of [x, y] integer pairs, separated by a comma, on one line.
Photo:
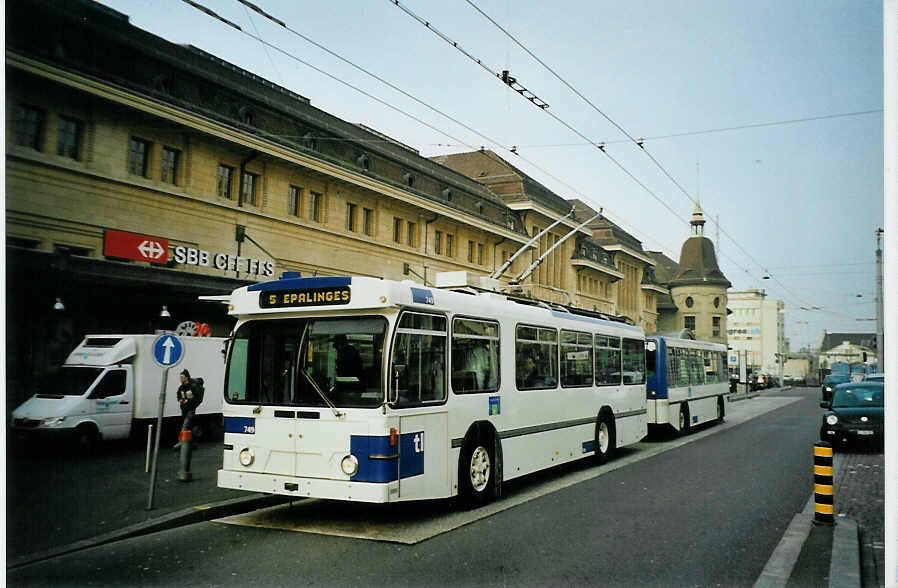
{"points": [[309, 487]]}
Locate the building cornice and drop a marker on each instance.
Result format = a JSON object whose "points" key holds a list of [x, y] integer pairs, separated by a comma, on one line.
{"points": [[655, 288], [589, 264], [208, 126], [530, 206], [631, 252]]}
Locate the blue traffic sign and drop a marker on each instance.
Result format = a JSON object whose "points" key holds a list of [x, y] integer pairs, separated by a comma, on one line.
{"points": [[168, 350]]}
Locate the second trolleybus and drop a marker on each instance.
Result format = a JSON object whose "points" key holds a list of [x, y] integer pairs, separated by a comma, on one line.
{"points": [[363, 389], [687, 382]]}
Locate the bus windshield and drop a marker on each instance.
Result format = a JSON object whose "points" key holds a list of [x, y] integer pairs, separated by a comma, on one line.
{"points": [[271, 362]]}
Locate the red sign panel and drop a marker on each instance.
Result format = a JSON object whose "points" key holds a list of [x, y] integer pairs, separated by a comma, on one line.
{"points": [[136, 247]]}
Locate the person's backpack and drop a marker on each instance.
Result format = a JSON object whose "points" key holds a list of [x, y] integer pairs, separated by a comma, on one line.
{"points": [[198, 391]]}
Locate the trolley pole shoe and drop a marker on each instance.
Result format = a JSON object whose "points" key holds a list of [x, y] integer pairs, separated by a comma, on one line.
{"points": [[823, 483]]}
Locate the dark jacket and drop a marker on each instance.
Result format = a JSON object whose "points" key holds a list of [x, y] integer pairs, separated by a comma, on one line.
{"points": [[192, 392]]}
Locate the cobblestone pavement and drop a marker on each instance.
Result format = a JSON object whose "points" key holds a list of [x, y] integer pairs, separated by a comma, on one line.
{"points": [[859, 495]]}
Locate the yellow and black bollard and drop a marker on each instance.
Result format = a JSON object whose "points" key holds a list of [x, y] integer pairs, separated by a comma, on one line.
{"points": [[823, 483], [186, 445]]}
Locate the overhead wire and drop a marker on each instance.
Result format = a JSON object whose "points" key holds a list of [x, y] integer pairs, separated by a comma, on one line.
{"points": [[284, 25]]}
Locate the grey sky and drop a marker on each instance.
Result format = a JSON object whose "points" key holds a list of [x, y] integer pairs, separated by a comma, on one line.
{"points": [[801, 200]]}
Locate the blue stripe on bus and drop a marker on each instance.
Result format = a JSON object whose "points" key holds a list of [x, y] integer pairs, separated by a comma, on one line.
{"points": [[657, 383], [300, 284], [242, 425], [381, 463]]}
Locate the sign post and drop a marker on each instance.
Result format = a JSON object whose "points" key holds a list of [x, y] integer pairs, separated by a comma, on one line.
{"points": [[168, 351]]}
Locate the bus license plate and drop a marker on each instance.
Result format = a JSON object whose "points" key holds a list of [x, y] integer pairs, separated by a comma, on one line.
{"points": [[865, 432]]}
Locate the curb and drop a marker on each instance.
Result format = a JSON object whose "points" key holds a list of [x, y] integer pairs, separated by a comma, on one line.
{"points": [[179, 518], [845, 566]]}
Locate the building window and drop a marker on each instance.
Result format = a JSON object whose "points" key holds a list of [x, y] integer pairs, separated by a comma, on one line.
{"points": [[350, 217], [225, 176], [315, 199], [480, 253], [715, 326], [294, 196], [69, 137], [689, 322], [438, 242], [29, 127], [449, 244], [138, 153], [368, 221], [689, 302], [249, 187], [170, 159], [397, 230], [470, 251], [412, 234]]}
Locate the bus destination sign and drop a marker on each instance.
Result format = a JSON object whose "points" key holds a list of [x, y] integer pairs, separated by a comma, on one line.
{"points": [[305, 297]]}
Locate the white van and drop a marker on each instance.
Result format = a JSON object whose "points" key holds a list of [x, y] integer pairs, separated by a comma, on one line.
{"points": [[108, 388]]}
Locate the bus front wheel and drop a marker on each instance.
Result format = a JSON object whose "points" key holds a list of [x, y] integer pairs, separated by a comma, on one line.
{"points": [[604, 438], [684, 419], [477, 472]]}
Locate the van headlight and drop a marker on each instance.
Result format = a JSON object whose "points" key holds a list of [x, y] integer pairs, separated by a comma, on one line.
{"points": [[832, 419], [247, 457], [52, 421], [349, 465]]}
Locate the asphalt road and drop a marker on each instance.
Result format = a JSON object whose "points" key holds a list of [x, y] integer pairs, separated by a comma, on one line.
{"points": [[707, 513]]}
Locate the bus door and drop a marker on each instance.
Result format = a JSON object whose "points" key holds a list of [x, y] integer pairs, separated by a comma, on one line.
{"points": [[418, 388]]}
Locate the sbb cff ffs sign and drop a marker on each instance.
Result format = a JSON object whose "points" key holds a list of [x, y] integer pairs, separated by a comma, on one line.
{"points": [[137, 247]]}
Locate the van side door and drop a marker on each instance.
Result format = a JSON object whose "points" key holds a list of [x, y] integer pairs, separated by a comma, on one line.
{"points": [[111, 400]]}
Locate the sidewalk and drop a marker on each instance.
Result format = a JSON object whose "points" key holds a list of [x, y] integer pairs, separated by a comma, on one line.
{"points": [[849, 554], [62, 503]]}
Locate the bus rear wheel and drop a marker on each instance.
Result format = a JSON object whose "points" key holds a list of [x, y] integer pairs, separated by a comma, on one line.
{"points": [[477, 472]]}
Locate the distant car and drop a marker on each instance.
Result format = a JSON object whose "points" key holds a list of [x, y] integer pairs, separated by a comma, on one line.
{"points": [[830, 382], [855, 415], [875, 378]]}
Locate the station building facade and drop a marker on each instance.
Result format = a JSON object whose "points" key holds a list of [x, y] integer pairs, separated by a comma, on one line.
{"points": [[141, 174]]}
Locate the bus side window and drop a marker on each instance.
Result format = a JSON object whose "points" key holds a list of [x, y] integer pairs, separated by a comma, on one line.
{"points": [[475, 356], [536, 358]]}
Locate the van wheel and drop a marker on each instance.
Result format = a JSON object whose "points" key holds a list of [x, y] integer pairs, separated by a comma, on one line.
{"points": [[604, 441], [87, 440], [477, 469]]}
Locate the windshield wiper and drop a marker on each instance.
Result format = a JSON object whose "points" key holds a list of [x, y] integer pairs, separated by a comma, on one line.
{"points": [[321, 393]]}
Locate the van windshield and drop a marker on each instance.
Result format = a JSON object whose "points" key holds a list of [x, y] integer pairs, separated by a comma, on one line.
{"points": [[271, 362], [69, 381]]}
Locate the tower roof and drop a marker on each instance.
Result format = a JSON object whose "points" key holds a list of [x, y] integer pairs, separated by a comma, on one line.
{"points": [[698, 264]]}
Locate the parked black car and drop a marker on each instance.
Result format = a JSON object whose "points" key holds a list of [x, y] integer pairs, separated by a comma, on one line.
{"points": [[855, 415], [830, 382]]}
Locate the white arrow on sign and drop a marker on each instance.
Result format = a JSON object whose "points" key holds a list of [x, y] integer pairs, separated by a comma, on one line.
{"points": [[168, 344], [151, 249]]}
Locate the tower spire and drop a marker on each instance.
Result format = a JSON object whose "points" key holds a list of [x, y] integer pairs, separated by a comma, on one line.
{"points": [[698, 221]]}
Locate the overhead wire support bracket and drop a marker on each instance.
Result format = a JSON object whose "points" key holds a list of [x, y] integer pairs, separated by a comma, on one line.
{"points": [[514, 85]]}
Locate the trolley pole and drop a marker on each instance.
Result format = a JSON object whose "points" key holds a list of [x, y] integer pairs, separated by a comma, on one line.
{"points": [[823, 484]]}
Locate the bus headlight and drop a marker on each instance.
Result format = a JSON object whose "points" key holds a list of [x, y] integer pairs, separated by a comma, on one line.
{"points": [[349, 465], [247, 457], [832, 419]]}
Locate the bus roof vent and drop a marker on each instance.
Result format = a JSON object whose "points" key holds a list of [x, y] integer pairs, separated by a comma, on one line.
{"points": [[464, 279]]}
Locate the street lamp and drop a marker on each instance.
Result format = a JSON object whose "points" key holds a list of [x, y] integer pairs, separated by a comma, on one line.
{"points": [[163, 314], [58, 305]]}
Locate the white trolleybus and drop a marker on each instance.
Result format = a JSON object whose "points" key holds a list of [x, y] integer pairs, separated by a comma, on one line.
{"points": [[362, 389], [687, 382]]}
